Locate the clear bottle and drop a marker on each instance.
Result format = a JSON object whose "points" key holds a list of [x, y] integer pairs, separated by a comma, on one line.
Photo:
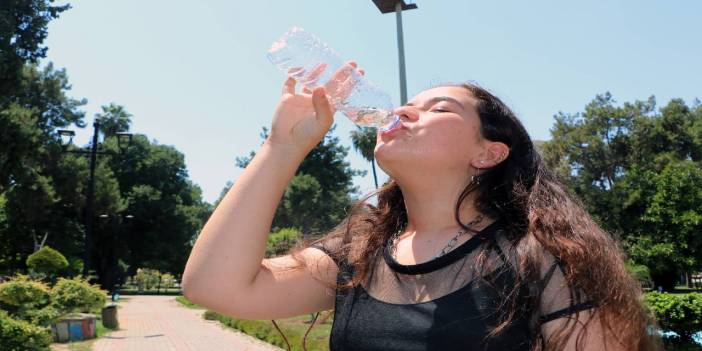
{"points": [[301, 55]]}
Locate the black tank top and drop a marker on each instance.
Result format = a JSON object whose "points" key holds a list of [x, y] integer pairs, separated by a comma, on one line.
{"points": [[460, 318]]}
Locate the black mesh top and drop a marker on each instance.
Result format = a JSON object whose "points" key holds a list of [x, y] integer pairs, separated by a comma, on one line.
{"points": [[442, 304]]}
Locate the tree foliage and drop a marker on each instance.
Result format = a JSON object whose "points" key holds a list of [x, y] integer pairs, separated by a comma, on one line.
{"points": [[321, 190], [147, 211], [47, 261], [637, 170], [23, 28]]}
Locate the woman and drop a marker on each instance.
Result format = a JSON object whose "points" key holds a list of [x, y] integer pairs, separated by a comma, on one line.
{"points": [[473, 244]]}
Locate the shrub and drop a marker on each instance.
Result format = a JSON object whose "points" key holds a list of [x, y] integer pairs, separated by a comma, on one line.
{"points": [[77, 295], [681, 314], [21, 294], [43, 317], [17, 335], [281, 241], [640, 272], [147, 278], [167, 280], [47, 261]]}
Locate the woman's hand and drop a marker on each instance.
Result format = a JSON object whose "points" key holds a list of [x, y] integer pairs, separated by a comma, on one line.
{"points": [[302, 119]]}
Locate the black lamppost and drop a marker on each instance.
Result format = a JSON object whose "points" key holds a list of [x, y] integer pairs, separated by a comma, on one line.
{"points": [[123, 141], [110, 252], [397, 6]]}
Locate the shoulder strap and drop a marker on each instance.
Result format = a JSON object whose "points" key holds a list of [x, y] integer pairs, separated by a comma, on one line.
{"points": [[567, 311]]}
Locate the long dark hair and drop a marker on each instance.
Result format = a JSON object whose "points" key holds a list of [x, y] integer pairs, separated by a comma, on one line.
{"points": [[544, 218]]}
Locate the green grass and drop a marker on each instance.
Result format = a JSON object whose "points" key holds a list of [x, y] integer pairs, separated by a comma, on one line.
{"points": [[293, 328], [185, 302]]}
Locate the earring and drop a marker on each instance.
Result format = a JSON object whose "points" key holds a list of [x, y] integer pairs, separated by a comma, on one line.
{"points": [[475, 179]]}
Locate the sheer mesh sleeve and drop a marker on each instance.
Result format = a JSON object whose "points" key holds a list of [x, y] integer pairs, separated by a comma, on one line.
{"points": [[558, 298], [330, 246]]}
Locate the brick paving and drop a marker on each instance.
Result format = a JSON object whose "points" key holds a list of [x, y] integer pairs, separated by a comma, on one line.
{"points": [[160, 323]]}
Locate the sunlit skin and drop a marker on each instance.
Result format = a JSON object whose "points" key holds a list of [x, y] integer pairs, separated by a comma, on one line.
{"points": [[432, 158]]}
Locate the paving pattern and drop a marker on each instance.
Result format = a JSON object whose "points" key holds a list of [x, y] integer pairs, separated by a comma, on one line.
{"points": [[160, 323]]}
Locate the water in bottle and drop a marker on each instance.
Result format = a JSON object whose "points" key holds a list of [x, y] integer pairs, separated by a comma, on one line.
{"points": [[311, 63]]}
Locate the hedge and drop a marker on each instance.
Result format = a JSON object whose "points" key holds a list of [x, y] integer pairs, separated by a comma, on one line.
{"points": [[17, 335], [680, 313]]}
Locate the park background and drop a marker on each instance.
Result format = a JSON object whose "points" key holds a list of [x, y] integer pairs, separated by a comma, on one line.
{"points": [[191, 82]]}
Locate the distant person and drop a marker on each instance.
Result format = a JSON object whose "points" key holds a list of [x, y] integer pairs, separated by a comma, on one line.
{"points": [[473, 244]]}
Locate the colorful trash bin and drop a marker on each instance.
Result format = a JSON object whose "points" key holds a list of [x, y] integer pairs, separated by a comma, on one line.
{"points": [[74, 327]]}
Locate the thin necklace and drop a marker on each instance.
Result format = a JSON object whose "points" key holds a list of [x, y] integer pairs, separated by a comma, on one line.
{"points": [[449, 246]]}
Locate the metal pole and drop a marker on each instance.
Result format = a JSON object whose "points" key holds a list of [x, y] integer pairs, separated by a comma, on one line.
{"points": [[401, 52], [89, 205]]}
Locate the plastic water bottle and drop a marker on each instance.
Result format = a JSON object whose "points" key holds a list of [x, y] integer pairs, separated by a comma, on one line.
{"points": [[301, 55]]}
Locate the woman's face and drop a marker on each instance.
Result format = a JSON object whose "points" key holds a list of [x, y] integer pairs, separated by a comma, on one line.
{"points": [[440, 131]]}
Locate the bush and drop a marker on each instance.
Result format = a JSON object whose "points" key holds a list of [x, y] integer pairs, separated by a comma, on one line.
{"points": [[17, 335], [47, 261], [640, 272], [147, 278], [281, 241], [20, 295], [43, 317], [681, 314], [77, 295]]}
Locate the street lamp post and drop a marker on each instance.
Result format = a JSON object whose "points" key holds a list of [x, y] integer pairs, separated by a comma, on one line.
{"points": [[111, 276], [67, 139], [397, 6]]}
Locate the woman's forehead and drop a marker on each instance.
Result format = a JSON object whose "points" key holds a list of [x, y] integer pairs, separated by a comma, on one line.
{"points": [[456, 92]]}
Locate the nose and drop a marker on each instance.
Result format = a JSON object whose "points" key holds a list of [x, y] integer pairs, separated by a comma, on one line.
{"points": [[408, 113]]}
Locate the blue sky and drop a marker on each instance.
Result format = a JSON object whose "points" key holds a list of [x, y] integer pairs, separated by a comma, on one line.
{"points": [[194, 73]]}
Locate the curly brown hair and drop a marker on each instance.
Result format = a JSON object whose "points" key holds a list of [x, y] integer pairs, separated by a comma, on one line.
{"points": [[544, 218]]}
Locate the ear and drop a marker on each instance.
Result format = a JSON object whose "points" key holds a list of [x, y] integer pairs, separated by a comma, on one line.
{"points": [[494, 153]]}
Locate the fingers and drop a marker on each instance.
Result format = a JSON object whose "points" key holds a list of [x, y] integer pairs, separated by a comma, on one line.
{"points": [[322, 108], [289, 86], [313, 76], [340, 84], [339, 79]]}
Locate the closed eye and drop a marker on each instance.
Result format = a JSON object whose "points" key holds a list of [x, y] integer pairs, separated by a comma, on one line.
{"points": [[439, 110]]}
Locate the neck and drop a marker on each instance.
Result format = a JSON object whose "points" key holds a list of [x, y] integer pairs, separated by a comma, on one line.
{"points": [[431, 207]]}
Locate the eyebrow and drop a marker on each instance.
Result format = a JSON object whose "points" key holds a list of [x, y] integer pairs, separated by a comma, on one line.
{"points": [[436, 99]]}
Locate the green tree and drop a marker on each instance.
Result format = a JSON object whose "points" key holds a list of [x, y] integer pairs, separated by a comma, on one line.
{"points": [[281, 241], [28, 123], [625, 163], [23, 28], [113, 119], [47, 261], [320, 192], [674, 219], [363, 141], [166, 207]]}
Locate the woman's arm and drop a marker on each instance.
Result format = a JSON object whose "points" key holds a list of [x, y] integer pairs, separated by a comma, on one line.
{"points": [[226, 271]]}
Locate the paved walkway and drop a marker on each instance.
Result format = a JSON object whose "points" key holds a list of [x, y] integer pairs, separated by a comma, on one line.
{"points": [[160, 323]]}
